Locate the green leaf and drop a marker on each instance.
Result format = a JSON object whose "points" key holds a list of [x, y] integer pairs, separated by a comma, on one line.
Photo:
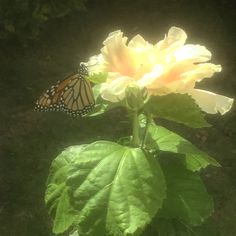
{"points": [[56, 196], [175, 227], [65, 213], [187, 198], [101, 105], [163, 139], [75, 233], [180, 108], [116, 189], [98, 78]]}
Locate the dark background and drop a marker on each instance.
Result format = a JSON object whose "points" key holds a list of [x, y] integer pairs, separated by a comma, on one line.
{"points": [[29, 141]]}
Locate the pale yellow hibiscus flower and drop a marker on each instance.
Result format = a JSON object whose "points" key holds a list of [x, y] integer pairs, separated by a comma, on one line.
{"points": [[169, 66]]}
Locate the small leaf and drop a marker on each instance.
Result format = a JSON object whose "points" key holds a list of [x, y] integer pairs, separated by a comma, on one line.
{"points": [[187, 198], [98, 78], [116, 189], [165, 140], [180, 108], [101, 105], [56, 196]]}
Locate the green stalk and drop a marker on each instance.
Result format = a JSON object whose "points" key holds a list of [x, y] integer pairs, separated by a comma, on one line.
{"points": [[135, 129], [148, 121]]}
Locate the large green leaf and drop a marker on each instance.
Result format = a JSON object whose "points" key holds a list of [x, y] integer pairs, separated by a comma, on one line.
{"points": [[187, 198], [65, 213], [163, 139], [177, 228], [116, 189], [75, 233], [56, 196], [180, 108], [173, 228]]}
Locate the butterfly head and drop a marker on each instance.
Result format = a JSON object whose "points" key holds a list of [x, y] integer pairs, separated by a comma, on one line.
{"points": [[83, 70]]}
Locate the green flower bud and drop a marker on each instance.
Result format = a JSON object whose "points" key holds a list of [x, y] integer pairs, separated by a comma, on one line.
{"points": [[135, 97]]}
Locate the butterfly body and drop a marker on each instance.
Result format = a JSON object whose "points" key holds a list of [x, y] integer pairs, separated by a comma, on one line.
{"points": [[72, 95]]}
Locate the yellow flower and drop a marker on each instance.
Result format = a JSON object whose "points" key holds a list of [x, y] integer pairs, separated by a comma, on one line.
{"points": [[169, 66]]}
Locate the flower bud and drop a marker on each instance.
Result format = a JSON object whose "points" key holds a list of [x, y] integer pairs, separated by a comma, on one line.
{"points": [[135, 97]]}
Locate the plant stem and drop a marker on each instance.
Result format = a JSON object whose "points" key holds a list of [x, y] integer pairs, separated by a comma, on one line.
{"points": [[148, 121], [135, 127]]}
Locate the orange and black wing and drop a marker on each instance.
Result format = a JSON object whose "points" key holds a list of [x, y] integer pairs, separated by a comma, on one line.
{"points": [[73, 95]]}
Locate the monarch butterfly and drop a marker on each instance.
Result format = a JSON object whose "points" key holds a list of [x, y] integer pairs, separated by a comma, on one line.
{"points": [[72, 95]]}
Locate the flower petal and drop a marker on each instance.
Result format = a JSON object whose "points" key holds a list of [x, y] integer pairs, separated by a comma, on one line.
{"points": [[143, 56], [176, 38], [114, 91], [195, 53], [176, 35], [201, 71], [210, 102], [138, 42], [117, 55], [148, 79]]}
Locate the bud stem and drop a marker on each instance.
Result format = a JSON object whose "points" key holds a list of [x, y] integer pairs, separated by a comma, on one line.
{"points": [[148, 121], [135, 127]]}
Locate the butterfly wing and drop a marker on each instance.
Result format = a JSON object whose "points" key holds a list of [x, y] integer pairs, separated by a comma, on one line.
{"points": [[77, 98], [73, 95]]}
